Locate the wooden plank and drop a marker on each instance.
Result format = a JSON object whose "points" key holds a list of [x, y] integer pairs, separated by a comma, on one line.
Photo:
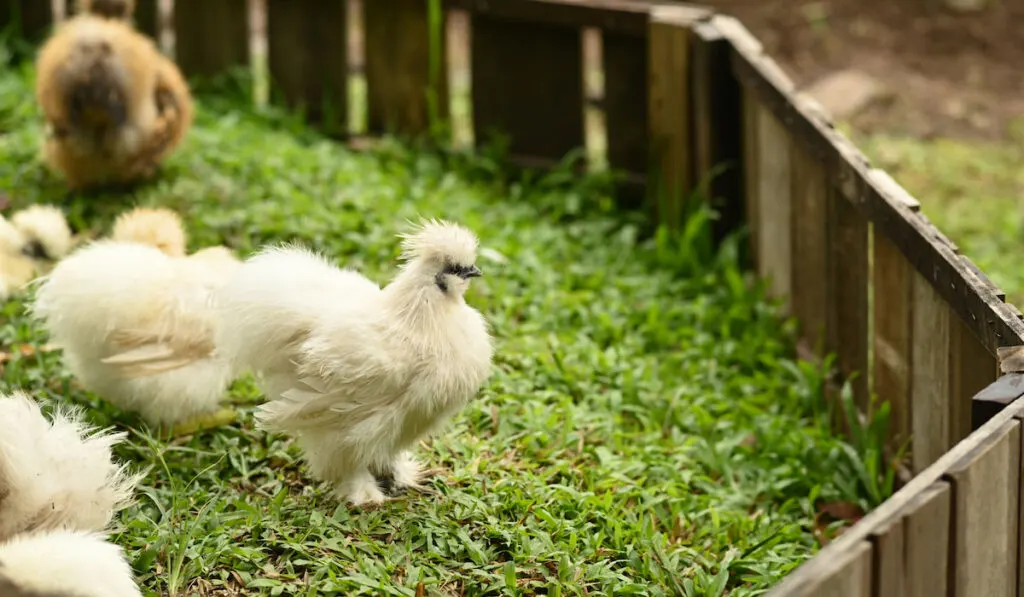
{"points": [[847, 575], [995, 323], [34, 18], [506, 76], [210, 37], [971, 369], [847, 329], [625, 108], [774, 211], [888, 565], [930, 394], [751, 181], [895, 507], [893, 284], [986, 515], [307, 58], [926, 542], [400, 83], [615, 16], [810, 249], [669, 113], [717, 127], [146, 17]]}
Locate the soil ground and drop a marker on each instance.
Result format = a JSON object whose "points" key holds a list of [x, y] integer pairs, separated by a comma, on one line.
{"points": [[951, 74]]}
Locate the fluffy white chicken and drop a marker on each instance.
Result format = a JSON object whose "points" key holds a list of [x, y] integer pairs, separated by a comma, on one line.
{"points": [[64, 563], [56, 474], [357, 373], [30, 242], [137, 329]]}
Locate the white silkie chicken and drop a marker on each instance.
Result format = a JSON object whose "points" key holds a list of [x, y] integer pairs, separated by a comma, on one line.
{"points": [[56, 474], [137, 329], [59, 490], [64, 564], [30, 243], [357, 373]]}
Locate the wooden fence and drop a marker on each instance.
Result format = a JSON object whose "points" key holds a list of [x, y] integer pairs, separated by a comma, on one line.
{"points": [[682, 91]]}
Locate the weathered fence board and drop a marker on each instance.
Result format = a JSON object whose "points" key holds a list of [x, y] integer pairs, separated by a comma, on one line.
{"points": [[669, 112], [847, 575], [625, 65], [717, 121], [400, 83], [506, 73], [848, 297], [930, 378], [810, 249], [927, 542], [892, 281], [986, 494], [147, 17], [32, 18], [774, 210], [307, 57], [210, 36]]}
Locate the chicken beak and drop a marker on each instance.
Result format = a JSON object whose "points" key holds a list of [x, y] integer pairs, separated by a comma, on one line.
{"points": [[472, 272]]}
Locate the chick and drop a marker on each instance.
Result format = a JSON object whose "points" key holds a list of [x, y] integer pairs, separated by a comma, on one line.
{"points": [[56, 474], [64, 563], [159, 227], [357, 373], [136, 328], [115, 106], [30, 242]]}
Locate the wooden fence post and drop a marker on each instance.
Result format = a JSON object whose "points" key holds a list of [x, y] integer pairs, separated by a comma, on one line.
{"points": [[717, 126], [210, 35], [33, 18], [307, 57], [398, 66], [669, 111]]}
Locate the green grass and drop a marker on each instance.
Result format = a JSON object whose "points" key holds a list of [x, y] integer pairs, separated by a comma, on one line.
{"points": [[974, 193], [646, 429]]}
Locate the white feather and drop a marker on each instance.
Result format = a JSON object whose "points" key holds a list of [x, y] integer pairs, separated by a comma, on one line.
{"points": [[64, 564], [137, 329], [56, 474]]}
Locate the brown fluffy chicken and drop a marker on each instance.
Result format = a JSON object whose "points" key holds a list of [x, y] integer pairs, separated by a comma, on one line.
{"points": [[115, 107]]}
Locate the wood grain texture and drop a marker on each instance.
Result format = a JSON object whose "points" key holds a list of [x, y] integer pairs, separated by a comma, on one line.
{"points": [[398, 67], [146, 17], [210, 36], [986, 490], [847, 575], [751, 180], [927, 542], [507, 72], [34, 17], [971, 369], [625, 105], [717, 127], [307, 58], [888, 566], [930, 393], [810, 248], [775, 219], [848, 293], [893, 278], [896, 506], [995, 323], [669, 117]]}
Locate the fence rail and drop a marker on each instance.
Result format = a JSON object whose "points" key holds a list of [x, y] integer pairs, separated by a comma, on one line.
{"points": [[681, 91]]}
